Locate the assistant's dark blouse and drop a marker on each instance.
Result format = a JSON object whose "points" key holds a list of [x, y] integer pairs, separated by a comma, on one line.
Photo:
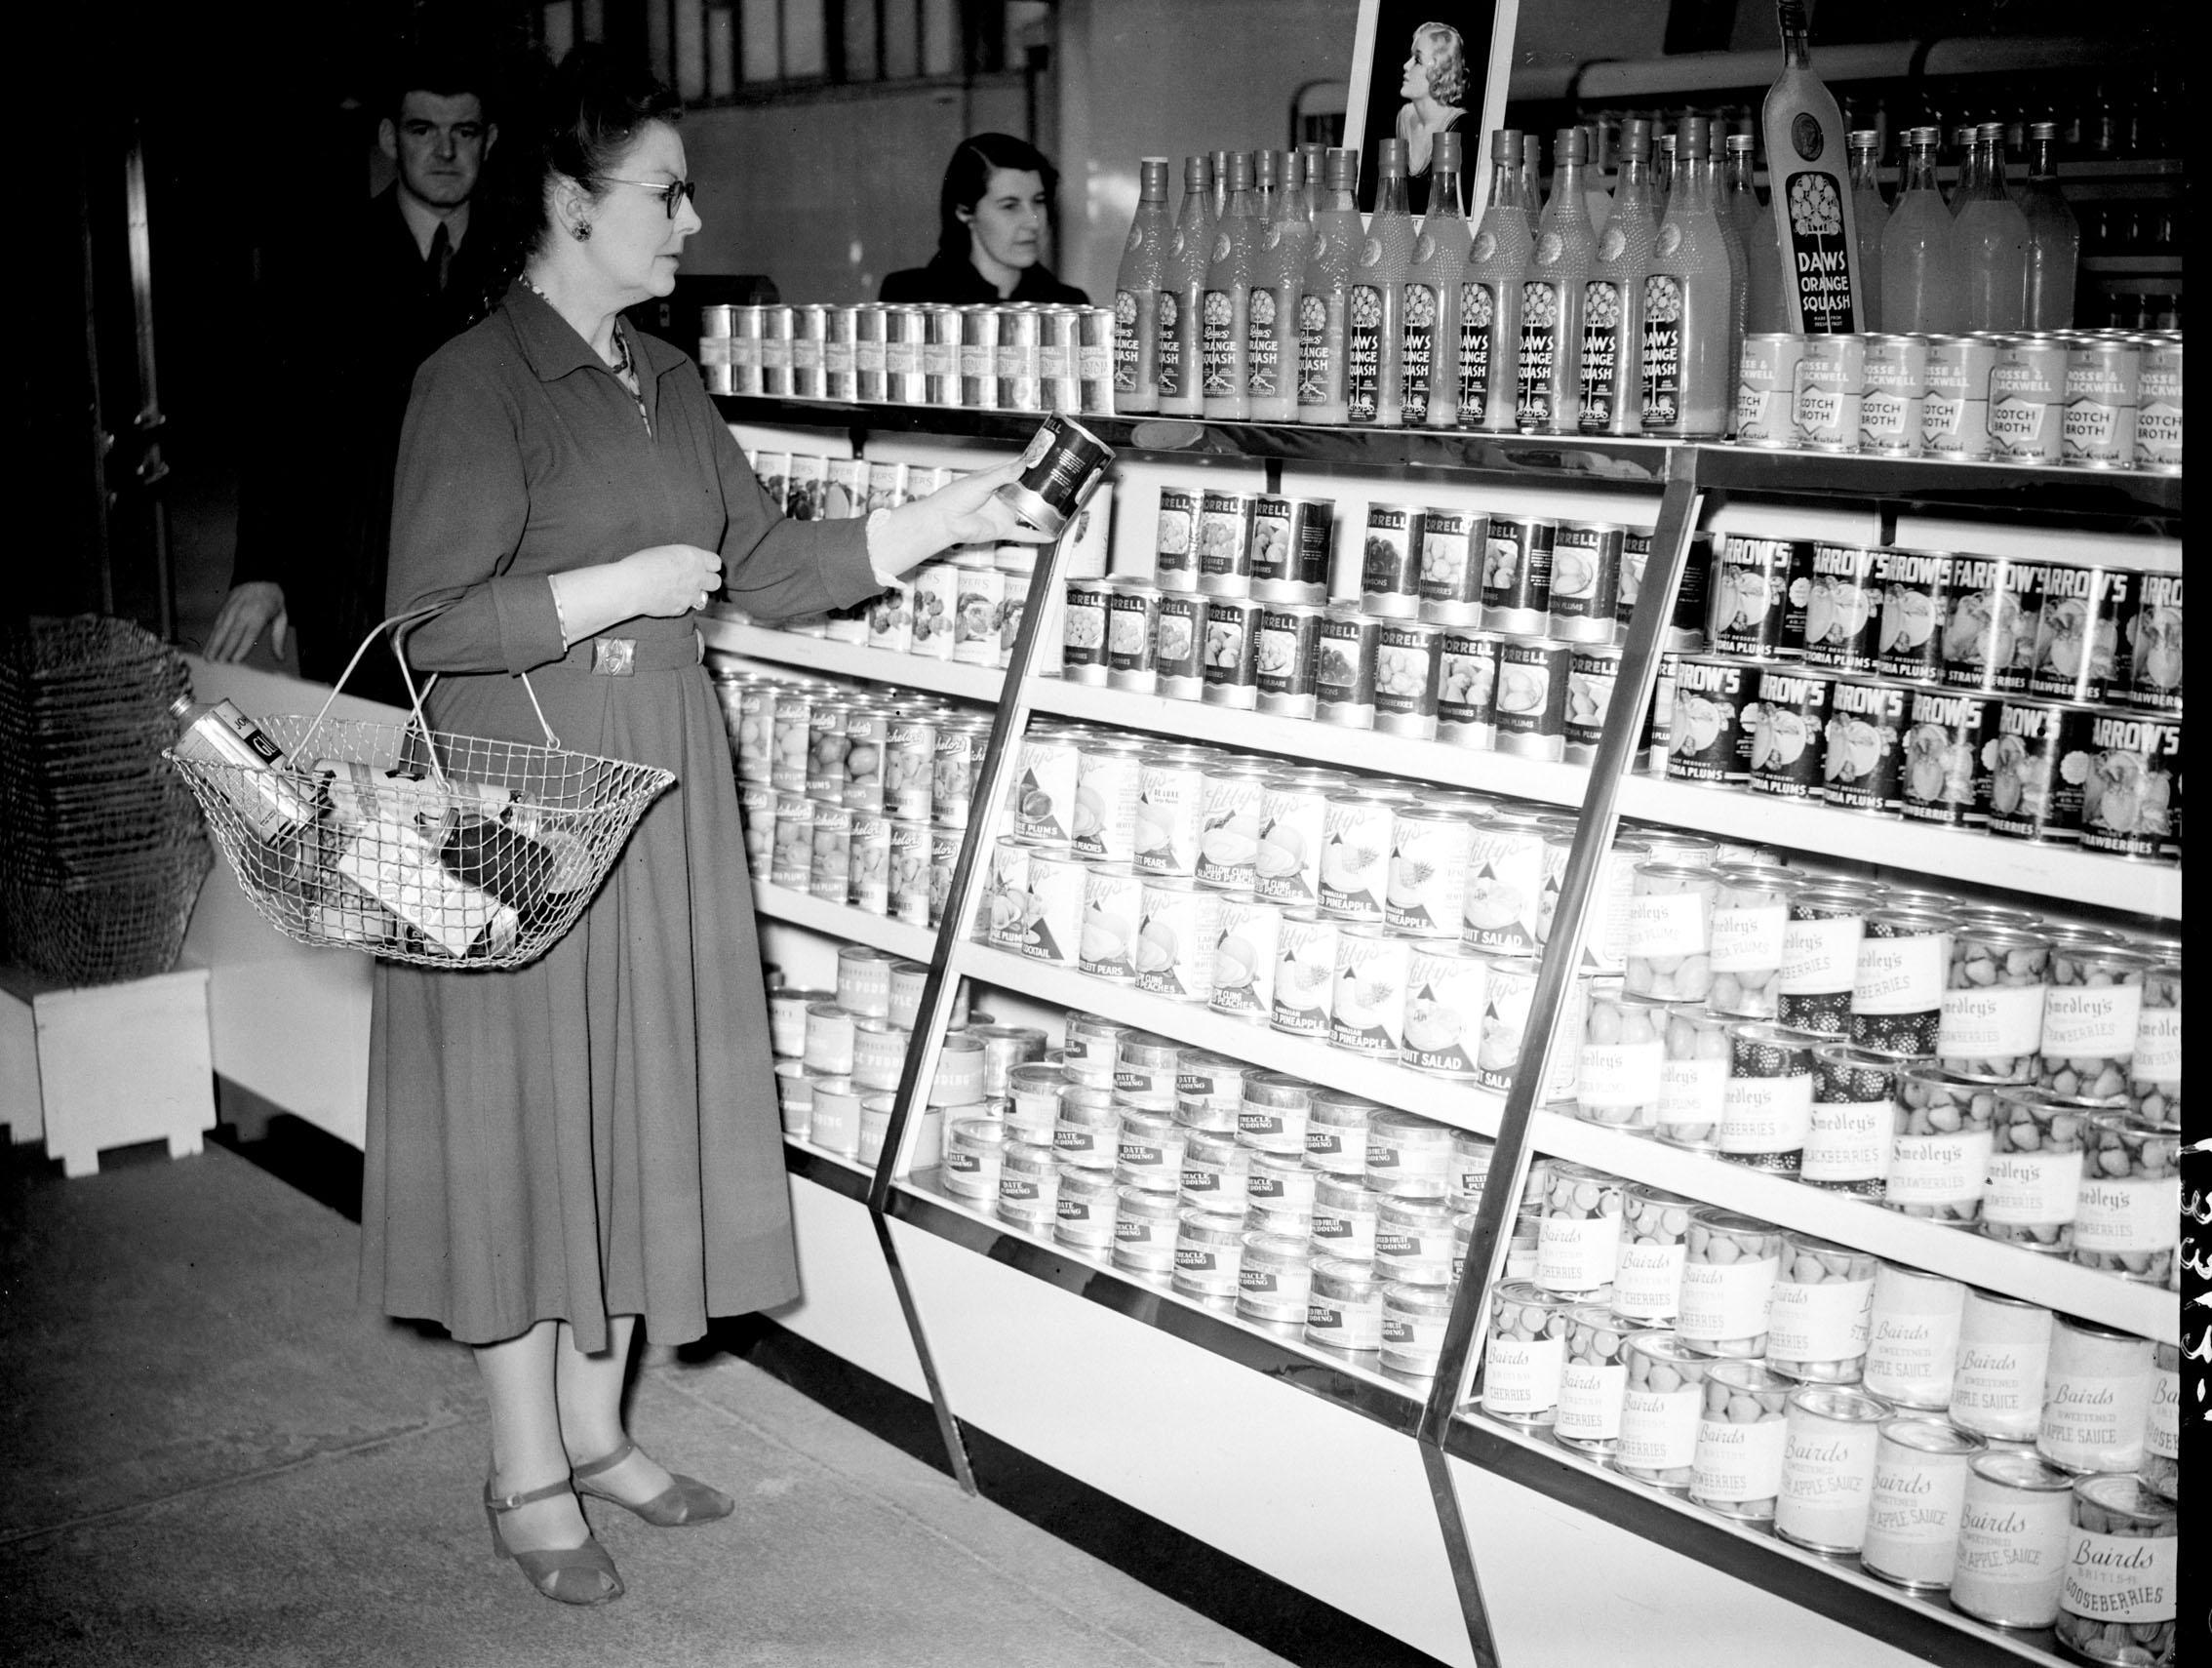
{"points": [[958, 282]]}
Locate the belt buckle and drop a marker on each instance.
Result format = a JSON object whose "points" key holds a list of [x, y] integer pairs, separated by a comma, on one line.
{"points": [[614, 657]]}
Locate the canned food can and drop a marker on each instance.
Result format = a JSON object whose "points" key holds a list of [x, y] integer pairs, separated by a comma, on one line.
{"points": [[1426, 893], [1505, 897], [1955, 420], [1586, 580], [1107, 784], [1095, 360], [1061, 466], [961, 747], [1445, 992], [830, 866], [2151, 635], [1706, 740], [1367, 1007], [1132, 615], [869, 385], [1054, 907], [1509, 987], [1244, 956], [907, 893], [1178, 928], [1287, 658], [1516, 573], [2104, 384], [936, 610], [906, 335], [1058, 357], [1842, 608], [1344, 667], [1847, 1141], [1389, 561], [868, 874], [1685, 626], [756, 802], [2027, 401], [1174, 566], [1113, 902], [979, 357], [1894, 410], [1788, 724], [1178, 653], [809, 336], [1292, 542], [1466, 689], [791, 858], [2022, 785], [1355, 864], [1914, 586], [2131, 796], [1045, 788], [745, 349], [1941, 765], [2077, 633], [1754, 595], [1225, 544], [1294, 818], [1532, 697], [1170, 798], [1406, 671], [1232, 651], [1766, 391], [937, 361], [1229, 816], [1083, 632], [1451, 582], [1593, 673], [776, 325], [1831, 385], [1019, 362], [1304, 974], [2159, 410], [1988, 610]]}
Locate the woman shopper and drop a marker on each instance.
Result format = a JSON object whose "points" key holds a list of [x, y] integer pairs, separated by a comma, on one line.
{"points": [[992, 213], [558, 1151]]}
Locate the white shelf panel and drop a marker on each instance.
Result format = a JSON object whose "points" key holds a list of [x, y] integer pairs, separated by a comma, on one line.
{"points": [[2052, 872], [1309, 739], [901, 939], [1461, 1104], [2147, 1311], [979, 684]]}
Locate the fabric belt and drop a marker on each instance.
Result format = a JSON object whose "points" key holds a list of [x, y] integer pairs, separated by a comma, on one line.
{"points": [[623, 656]]}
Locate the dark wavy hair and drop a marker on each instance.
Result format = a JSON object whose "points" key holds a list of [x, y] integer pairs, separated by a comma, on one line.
{"points": [[589, 112], [967, 176]]}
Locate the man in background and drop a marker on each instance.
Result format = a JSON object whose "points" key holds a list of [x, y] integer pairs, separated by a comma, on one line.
{"points": [[355, 314]]}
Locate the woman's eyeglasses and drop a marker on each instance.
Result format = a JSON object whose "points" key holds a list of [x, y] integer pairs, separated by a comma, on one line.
{"points": [[672, 191]]}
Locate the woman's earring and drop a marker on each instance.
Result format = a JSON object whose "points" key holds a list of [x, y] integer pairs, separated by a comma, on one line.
{"points": [[583, 232]]}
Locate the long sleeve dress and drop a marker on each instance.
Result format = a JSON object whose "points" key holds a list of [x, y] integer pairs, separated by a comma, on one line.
{"points": [[594, 1134]]}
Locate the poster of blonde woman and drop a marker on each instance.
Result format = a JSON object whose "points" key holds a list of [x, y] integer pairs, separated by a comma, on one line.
{"points": [[1421, 69]]}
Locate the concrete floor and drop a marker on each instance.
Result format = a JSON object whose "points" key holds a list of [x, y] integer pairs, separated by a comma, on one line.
{"points": [[214, 1457]]}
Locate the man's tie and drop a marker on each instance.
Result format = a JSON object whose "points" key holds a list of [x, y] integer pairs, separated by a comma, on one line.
{"points": [[440, 262]]}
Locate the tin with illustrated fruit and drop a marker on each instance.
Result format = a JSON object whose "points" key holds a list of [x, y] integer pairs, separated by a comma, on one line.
{"points": [[1914, 586], [1344, 667], [1406, 673], [1229, 825], [1103, 825], [1083, 632], [1053, 910], [2027, 400], [1788, 724], [1180, 924], [1232, 651], [1753, 580], [1225, 544], [1367, 1001], [1132, 615], [1861, 762], [1287, 658], [2077, 633], [1427, 891], [1586, 580], [2151, 637], [1507, 902], [1451, 566], [1592, 672], [907, 895], [1685, 625], [1988, 623], [1170, 796], [1389, 572], [2131, 786], [1842, 608], [1942, 745], [1293, 540], [1705, 740], [961, 744], [1516, 573], [1179, 646], [1532, 696], [1897, 987], [1509, 988], [1175, 564], [1894, 407], [1305, 976], [1292, 825], [1244, 952], [1006, 895], [1112, 899], [1466, 689], [1355, 865], [2024, 789], [1044, 792], [1444, 1010]]}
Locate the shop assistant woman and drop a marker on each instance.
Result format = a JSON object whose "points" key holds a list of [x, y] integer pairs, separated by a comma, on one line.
{"points": [[992, 213], [557, 1151]]}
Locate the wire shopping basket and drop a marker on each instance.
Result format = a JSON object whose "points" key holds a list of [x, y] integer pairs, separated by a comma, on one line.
{"points": [[444, 851]]}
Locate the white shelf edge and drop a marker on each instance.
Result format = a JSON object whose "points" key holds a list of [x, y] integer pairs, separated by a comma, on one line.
{"points": [[2053, 872], [1460, 1104], [863, 1175], [901, 939], [1309, 739], [2147, 1311], [981, 684]]}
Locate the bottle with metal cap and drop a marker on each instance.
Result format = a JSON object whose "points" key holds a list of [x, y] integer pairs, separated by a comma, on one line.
{"points": [[1278, 269], [1137, 293], [1430, 356], [1992, 236], [1373, 385], [1871, 215], [1226, 305], [1182, 286], [2054, 235], [1763, 296], [1489, 295], [1324, 292]]}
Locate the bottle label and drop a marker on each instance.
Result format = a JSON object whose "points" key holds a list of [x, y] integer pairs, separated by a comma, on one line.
{"points": [[1540, 307], [1477, 319], [1263, 358], [1818, 253], [1662, 347], [1321, 349], [1600, 354], [1136, 328], [1170, 309], [1363, 353], [1220, 342], [1418, 353]]}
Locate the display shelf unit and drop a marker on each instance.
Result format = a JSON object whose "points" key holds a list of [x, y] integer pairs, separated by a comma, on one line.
{"points": [[951, 678], [1690, 479], [901, 938], [845, 1176]]}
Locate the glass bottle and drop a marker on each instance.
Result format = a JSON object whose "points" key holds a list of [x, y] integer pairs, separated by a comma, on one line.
{"points": [[1808, 178], [1871, 213], [1686, 378], [1992, 236], [1533, 176], [1603, 161], [1922, 288], [1763, 296], [1716, 186], [1612, 324], [1663, 170], [1271, 353], [2054, 237], [1137, 293], [1227, 298], [1182, 283], [1489, 295], [1313, 159], [1373, 336], [1549, 374], [1324, 292], [1429, 359], [1267, 169], [1962, 141], [1220, 184]]}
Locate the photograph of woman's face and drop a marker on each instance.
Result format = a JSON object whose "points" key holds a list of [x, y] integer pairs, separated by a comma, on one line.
{"points": [[1433, 49]]}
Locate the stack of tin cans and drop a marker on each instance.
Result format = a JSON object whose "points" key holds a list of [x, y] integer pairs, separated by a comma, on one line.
{"points": [[2080, 399], [1011, 358]]}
